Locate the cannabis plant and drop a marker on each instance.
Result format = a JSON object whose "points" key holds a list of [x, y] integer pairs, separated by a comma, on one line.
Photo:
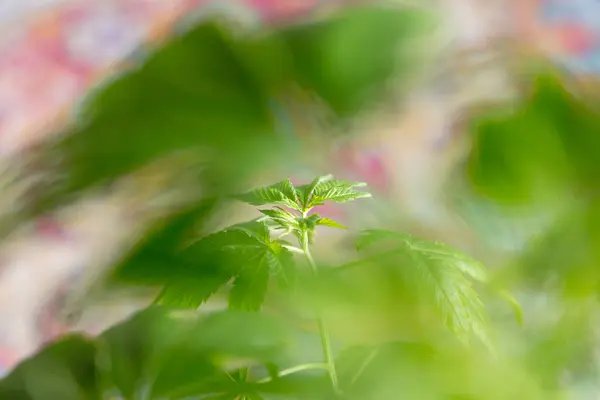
{"points": [[254, 350], [401, 317]]}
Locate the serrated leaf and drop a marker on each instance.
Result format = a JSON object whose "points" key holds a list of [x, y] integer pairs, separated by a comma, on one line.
{"points": [[338, 195], [330, 223], [284, 269], [435, 250], [154, 259], [440, 276], [305, 192], [212, 261], [329, 184], [243, 252], [325, 188], [282, 193], [190, 292], [282, 218], [250, 286]]}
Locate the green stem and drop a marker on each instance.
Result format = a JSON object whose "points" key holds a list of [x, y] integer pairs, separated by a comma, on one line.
{"points": [[323, 332], [297, 368]]}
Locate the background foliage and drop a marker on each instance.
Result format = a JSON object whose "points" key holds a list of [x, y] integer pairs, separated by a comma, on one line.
{"points": [[403, 317]]}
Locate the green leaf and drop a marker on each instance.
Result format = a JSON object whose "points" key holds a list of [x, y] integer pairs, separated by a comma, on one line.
{"points": [[127, 349], [326, 188], [193, 291], [514, 303], [338, 195], [186, 356], [243, 252], [64, 370], [184, 93], [282, 218], [507, 162], [330, 223], [155, 257], [305, 192], [336, 57], [439, 275], [282, 193], [250, 285], [211, 262], [284, 269]]}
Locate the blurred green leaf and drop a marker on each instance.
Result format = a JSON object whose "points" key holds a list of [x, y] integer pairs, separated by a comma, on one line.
{"points": [[156, 352], [547, 147], [348, 58], [250, 285], [155, 257], [63, 370], [389, 371], [182, 98], [439, 275]]}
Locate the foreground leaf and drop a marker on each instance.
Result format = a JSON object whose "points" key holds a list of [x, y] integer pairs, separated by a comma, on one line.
{"points": [[155, 354], [65, 370]]}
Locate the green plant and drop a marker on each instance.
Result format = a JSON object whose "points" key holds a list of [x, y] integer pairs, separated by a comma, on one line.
{"points": [[237, 354], [402, 318]]}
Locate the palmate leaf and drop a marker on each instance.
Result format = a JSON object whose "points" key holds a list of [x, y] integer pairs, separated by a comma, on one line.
{"points": [[282, 218], [244, 253], [282, 193], [304, 197], [305, 192], [325, 188], [252, 281], [439, 275]]}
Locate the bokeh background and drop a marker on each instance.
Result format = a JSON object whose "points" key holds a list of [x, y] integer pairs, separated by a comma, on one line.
{"points": [[54, 54]]}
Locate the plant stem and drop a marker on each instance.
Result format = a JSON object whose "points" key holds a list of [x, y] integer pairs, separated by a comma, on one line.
{"points": [[293, 249], [297, 368], [323, 332]]}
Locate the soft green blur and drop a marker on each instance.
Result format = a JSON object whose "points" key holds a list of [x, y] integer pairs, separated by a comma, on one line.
{"points": [[407, 318]]}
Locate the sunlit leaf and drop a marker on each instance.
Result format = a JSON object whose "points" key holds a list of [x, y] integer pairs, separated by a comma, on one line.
{"points": [[330, 223], [282, 218], [328, 189], [305, 192], [282, 193]]}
